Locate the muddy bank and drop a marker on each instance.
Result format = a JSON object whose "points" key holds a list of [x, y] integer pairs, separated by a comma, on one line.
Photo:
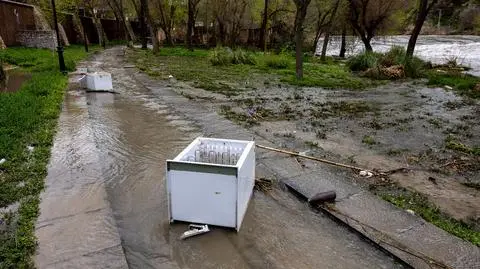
{"points": [[111, 151]]}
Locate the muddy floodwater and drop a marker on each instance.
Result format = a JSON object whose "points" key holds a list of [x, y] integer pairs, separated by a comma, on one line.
{"points": [[105, 201], [437, 49], [13, 82]]}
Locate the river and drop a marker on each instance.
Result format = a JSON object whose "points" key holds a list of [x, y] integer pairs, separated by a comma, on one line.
{"points": [[465, 49]]}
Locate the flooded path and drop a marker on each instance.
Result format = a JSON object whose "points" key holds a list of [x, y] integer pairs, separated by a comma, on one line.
{"points": [[105, 204]]}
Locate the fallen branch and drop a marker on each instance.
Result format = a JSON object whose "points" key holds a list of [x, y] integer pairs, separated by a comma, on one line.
{"points": [[358, 169], [313, 158]]}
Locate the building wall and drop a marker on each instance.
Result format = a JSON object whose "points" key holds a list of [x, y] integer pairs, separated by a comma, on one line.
{"points": [[15, 17]]}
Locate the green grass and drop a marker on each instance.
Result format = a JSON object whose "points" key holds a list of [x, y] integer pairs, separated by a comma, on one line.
{"points": [[453, 144], [28, 117], [424, 208], [214, 70], [461, 83], [369, 140]]}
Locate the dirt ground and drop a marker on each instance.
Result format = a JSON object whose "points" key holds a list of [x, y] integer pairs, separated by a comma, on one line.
{"points": [[431, 132]]}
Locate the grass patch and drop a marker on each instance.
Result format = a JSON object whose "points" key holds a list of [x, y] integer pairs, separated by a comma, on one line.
{"points": [[327, 76], [369, 140], [453, 144], [239, 118], [462, 83], [28, 117], [311, 144], [224, 56], [424, 208], [242, 69], [280, 61]]}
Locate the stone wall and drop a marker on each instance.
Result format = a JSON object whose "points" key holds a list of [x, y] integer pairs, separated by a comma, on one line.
{"points": [[37, 39]]}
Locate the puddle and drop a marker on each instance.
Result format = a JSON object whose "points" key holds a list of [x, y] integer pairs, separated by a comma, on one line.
{"points": [[14, 81]]}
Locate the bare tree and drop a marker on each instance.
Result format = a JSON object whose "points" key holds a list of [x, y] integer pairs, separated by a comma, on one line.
{"points": [[329, 29], [92, 5], [166, 13], [301, 6], [143, 22], [192, 14], [119, 12], [263, 30], [369, 16], [424, 7]]}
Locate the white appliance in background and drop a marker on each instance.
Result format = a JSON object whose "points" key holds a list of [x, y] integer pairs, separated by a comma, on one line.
{"points": [[97, 81], [211, 182]]}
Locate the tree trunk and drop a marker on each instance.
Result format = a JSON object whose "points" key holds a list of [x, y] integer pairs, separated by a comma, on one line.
{"points": [[329, 29], [343, 46], [366, 42], [155, 42], [190, 23], [423, 10], [323, 57], [263, 30], [302, 6], [99, 28], [168, 37], [143, 25]]}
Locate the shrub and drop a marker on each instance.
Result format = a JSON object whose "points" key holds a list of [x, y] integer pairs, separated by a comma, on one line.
{"points": [[415, 67], [225, 56], [280, 61], [395, 56], [242, 57], [363, 61], [221, 56]]}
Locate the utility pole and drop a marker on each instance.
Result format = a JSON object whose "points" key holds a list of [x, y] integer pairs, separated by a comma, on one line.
{"points": [[61, 61]]}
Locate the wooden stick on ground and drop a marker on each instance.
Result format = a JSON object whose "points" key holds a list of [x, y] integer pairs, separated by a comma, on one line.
{"points": [[314, 158]]}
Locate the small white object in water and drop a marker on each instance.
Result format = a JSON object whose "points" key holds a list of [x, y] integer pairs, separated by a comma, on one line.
{"points": [[170, 76], [366, 174], [411, 212], [448, 87], [2, 161], [194, 230], [30, 148]]}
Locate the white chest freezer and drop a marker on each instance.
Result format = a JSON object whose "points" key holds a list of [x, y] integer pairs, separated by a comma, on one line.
{"points": [[211, 182]]}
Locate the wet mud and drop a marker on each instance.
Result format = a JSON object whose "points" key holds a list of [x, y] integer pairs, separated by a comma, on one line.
{"points": [[109, 155]]}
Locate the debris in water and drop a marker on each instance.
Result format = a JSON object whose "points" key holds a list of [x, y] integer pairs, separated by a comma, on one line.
{"points": [[448, 87], [170, 76], [193, 230], [411, 212], [30, 148], [433, 180], [366, 174], [2, 161], [322, 197], [263, 184]]}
